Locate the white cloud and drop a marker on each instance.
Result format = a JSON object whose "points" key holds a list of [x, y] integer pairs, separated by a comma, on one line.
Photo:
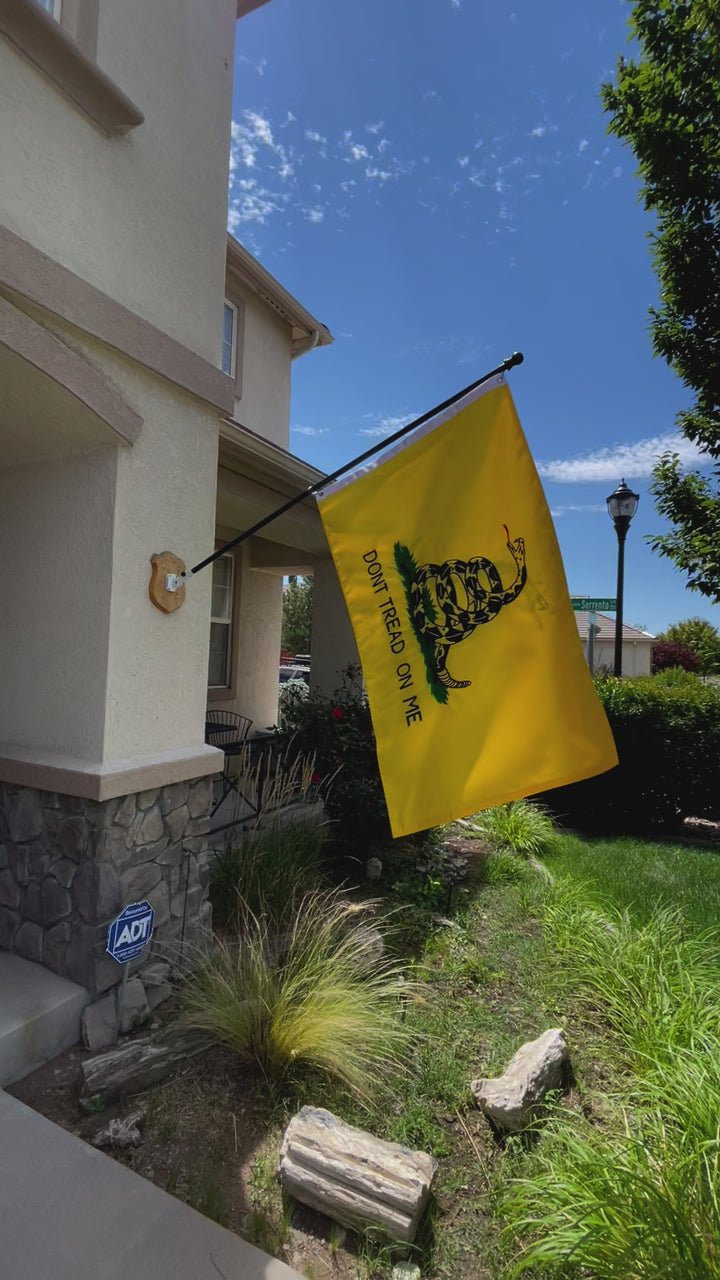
{"points": [[313, 136], [251, 203], [359, 152], [381, 175], [386, 426], [315, 214], [310, 431], [539, 131], [375, 128], [247, 138], [633, 461], [592, 507]]}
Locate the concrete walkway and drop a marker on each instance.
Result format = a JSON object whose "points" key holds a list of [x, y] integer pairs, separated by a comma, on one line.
{"points": [[68, 1212]]}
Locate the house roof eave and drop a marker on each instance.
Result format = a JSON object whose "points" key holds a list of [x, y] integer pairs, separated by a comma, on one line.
{"points": [[251, 273]]}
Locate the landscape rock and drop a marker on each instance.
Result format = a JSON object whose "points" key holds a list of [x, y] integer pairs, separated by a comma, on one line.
{"points": [[512, 1100], [373, 868], [352, 1176], [155, 978], [135, 1006], [99, 1023], [405, 1271], [373, 945], [121, 1132]]}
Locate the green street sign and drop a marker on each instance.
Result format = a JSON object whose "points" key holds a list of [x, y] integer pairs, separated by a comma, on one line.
{"points": [[588, 604]]}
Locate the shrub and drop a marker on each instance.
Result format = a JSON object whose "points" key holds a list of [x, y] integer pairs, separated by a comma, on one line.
{"points": [[291, 694], [310, 991], [265, 868], [667, 734], [672, 653], [338, 732]]}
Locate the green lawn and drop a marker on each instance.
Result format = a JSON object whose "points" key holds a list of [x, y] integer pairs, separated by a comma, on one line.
{"points": [[642, 875]]}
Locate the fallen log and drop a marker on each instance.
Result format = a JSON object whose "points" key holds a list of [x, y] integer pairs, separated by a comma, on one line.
{"points": [[139, 1064], [352, 1176]]}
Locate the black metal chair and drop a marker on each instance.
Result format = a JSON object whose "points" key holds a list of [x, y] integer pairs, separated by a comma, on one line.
{"points": [[228, 731]]}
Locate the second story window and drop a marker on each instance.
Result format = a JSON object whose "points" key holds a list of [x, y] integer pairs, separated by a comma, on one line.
{"points": [[229, 342]]}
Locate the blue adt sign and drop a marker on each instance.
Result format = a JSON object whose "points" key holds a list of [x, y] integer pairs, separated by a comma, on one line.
{"points": [[130, 933]]}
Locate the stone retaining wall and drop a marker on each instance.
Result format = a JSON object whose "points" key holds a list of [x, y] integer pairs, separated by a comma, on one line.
{"points": [[69, 866]]}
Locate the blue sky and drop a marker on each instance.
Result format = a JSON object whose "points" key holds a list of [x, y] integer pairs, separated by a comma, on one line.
{"points": [[433, 180]]}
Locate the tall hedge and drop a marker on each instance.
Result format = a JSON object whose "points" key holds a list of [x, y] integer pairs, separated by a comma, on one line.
{"points": [[667, 733]]}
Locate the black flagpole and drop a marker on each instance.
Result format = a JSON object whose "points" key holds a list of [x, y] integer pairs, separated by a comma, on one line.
{"points": [[515, 359]]}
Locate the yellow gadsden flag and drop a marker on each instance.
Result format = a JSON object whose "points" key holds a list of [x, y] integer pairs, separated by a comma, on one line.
{"points": [[451, 571]]}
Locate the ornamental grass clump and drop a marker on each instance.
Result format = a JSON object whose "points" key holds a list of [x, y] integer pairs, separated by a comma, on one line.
{"points": [[521, 827], [264, 868], [639, 1197], [310, 990]]}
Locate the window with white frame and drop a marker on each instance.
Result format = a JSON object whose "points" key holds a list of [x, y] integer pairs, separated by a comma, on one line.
{"points": [[229, 342], [219, 673], [52, 6]]}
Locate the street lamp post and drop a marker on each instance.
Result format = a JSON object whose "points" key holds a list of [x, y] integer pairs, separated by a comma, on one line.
{"points": [[621, 505]]}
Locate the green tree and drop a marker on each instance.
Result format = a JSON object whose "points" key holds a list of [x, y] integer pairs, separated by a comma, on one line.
{"points": [[701, 638], [297, 615], [665, 104]]}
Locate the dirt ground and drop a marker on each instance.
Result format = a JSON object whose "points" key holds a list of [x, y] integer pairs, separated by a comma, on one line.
{"points": [[204, 1141], [207, 1138]]}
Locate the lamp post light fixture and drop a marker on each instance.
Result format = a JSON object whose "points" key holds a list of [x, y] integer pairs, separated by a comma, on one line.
{"points": [[621, 505]]}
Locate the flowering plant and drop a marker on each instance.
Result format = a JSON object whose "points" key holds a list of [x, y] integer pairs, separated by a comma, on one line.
{"points": [[338, 732]]}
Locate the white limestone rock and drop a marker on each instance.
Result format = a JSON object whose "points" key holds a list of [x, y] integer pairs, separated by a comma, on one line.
{"points": [[512, 1100], [99, 1023], [352, 1176], [135, 1007], [121, 1133]]}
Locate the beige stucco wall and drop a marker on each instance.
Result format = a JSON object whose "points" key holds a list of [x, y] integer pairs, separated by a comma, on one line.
{"points": [[157, 663], [141, 216], [264, 405], [91, 669], [56, 548], [333, 640], [257, 641]]}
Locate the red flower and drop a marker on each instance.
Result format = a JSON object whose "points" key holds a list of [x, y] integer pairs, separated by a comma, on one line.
{"points": [[337, 714], [316, 776]]}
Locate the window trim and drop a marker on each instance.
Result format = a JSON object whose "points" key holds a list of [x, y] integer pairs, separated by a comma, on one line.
{"points": [[232, 306], [227, 692], [237, 302], [65, 52], [53, 7]]}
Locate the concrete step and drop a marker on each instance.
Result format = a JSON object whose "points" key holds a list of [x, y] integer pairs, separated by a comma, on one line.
{"points": [[39, 1016]]}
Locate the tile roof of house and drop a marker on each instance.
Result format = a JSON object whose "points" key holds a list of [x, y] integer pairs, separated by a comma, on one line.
{"points": [[607, 629]]}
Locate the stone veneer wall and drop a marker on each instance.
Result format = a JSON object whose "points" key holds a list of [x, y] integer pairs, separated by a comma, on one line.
{"points": [[69, 866]]}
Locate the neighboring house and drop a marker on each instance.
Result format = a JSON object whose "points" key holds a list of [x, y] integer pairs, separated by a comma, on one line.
{"points": [[637, 646], [123, 373]]}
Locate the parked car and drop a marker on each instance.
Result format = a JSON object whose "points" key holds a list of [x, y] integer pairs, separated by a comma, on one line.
{"points": [[294, 673]]}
